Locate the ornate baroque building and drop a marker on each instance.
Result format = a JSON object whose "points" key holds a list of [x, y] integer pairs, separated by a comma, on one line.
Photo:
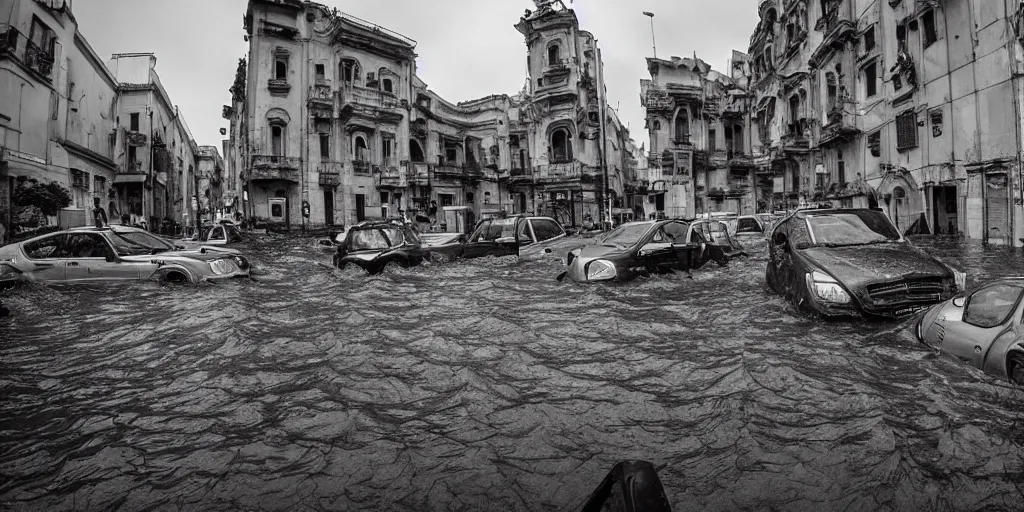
{"points": [[913, 106], [328, 110]]}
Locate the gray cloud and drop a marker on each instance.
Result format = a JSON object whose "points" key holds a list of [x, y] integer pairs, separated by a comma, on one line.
{"points": [[467, 49]]}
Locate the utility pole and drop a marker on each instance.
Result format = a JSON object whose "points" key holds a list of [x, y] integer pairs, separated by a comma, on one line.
{"points": [[654, 43], [604, 163], [199, 223]]}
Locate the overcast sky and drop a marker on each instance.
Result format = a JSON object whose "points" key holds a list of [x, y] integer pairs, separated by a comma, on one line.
{"points": [[467, 48]]}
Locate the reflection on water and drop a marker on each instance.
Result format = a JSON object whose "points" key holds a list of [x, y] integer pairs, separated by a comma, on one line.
{"points": [[486, 385]]}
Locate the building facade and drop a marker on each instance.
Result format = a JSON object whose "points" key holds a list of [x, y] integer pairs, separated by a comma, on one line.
{"points": [[913, 106], [328, 112], [701, 156], [155, 151], [102, 132]]}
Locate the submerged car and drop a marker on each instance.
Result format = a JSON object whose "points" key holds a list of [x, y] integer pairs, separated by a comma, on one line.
{"points": [[529, 238], [114, 253], [648, 247], [983, 328], [854, 263], [375, 245]]}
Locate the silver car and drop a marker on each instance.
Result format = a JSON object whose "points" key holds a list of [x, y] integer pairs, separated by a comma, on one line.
{"points": [[114, 253]]}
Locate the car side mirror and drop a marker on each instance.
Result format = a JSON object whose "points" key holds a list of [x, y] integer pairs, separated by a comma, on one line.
{"points": [[112, 258], [959, 301], [780, 240]]}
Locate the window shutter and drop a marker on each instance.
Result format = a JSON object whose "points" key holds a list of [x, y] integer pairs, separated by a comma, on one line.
{"points": [[906, 130]]}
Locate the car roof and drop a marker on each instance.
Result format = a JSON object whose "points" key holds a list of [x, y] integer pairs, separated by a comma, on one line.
{"points": [[827, 211]]}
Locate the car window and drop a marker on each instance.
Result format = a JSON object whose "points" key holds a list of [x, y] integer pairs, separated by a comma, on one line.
{"points": [[145, 239], [716, 231], [545, 229], [85, 245], [748, 225], [368, 239], [395, 236], [852, 228], [495, 229], [676, 232], [992, 305], [481, 231], [696, 237], [217, 234], [234, 234], [44, 247], [799, 237], [412, 235]]}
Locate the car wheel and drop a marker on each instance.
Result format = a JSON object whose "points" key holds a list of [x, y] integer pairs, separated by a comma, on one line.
{"points": [[1015, 368], [395, 264], [175, 277], [722, 261]]}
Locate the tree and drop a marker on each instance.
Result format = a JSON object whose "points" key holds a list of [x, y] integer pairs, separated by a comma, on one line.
{"points": [[49, 198]]}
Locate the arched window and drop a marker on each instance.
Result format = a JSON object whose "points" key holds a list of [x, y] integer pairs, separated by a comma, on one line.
{"points": [[359, 149], [281, 70], [553, 55], [349, 71], [737, 139], [561, 146], [682, 126], [386, 84], [415, 151], [277, 139]]}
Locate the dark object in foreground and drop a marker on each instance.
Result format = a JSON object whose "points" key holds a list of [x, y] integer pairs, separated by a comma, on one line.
{"points": [[982, 327], [854, 263], [631, 486], [651, 247], [374, 245], [3, 310]]}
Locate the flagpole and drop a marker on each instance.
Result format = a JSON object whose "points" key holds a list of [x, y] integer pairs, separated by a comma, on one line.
{"points": [[654, 43]]}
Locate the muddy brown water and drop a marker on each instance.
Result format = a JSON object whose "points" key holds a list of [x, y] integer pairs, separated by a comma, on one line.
{"points": [[486, 385]]}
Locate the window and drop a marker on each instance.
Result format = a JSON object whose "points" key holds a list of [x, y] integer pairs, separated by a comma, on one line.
{"points": [[875, 144], [545, 229], [280, 69], [737, 140], [44, 248], [42, 37], [134, 126], [991, 306], [930, 34], [277, 140], [794, 113], [936, 117], [901, 35], [415, 152], [319, 72], [360, 150], [682, 125], [349, 71], [553, 57], [325, 146], [132, 155], [869, 40], [871, 79], [446, 199], [388, 148], [386, 83], [906, 130], [748, 225], [841, 166], [711, 138], [561, 146]]}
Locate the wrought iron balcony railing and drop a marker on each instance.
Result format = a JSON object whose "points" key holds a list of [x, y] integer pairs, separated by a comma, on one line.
{"points": [[14, 44]]}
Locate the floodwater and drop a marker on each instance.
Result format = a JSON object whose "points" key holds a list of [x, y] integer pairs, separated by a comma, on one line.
{"points": [[486, 385]]}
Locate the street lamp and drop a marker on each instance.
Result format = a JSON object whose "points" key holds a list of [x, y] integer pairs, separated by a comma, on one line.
{"points": [[653, 42]]}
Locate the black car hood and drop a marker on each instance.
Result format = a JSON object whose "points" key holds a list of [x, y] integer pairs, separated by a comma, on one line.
{"points": [[866, 263]]}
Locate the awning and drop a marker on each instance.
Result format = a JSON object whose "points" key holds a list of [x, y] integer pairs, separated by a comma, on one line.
{"points": [[130, 178]]}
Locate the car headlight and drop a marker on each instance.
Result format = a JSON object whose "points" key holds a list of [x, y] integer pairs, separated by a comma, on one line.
{"points": [[224, 266], [827, 289], [600, 270]]}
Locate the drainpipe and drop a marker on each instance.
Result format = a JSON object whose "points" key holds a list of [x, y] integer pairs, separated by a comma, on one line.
{"points": [[603, 148]]}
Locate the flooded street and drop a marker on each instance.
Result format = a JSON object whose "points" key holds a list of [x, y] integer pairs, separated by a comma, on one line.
{"points": [[487, 385]]}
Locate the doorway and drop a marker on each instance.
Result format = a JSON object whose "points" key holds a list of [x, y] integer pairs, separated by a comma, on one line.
{"points": [[329, 206], [944, 214], [360, 207], [996, 209]]}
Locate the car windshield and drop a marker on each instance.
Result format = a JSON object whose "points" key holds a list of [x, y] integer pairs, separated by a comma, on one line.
{"points": [[626, 235], [376, 239], [145, 239], [853, 228], [126, 247]]}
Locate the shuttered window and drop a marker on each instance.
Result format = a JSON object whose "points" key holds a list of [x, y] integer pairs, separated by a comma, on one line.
{"points": [[906, 130]]}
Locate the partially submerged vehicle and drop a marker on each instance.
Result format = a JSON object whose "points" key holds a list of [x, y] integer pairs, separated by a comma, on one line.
{"points": [[113, 253], [854, 263], [215, 237], [376, 245], [631, 486], [529, 238], [984, 327], [650, 247]]}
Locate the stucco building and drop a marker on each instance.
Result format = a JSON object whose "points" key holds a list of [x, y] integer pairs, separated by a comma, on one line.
{"points": [[913, 106], [327, 110], [100, 131], [702, 150]]}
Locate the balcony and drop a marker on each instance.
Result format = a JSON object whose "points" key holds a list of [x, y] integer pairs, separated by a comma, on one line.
{"points": [[370, 104], [842, 126], [560, 67], [796, 138], [449, 171], [682, 140], [391, 177], [718, 158], [278, 86], [560, 172], [418, 173], [321, 101], [132, 168], [275, 168], [738, 158], [329, 173], [361, 167], [17, 46]]}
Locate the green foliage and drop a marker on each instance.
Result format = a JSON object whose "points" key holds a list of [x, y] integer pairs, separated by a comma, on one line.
{"points": [[49, 198]]}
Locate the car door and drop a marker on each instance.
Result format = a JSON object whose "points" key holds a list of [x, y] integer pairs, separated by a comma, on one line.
{"points": [[90, 257], [478, 244], [43, 258], [545, 232]]}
